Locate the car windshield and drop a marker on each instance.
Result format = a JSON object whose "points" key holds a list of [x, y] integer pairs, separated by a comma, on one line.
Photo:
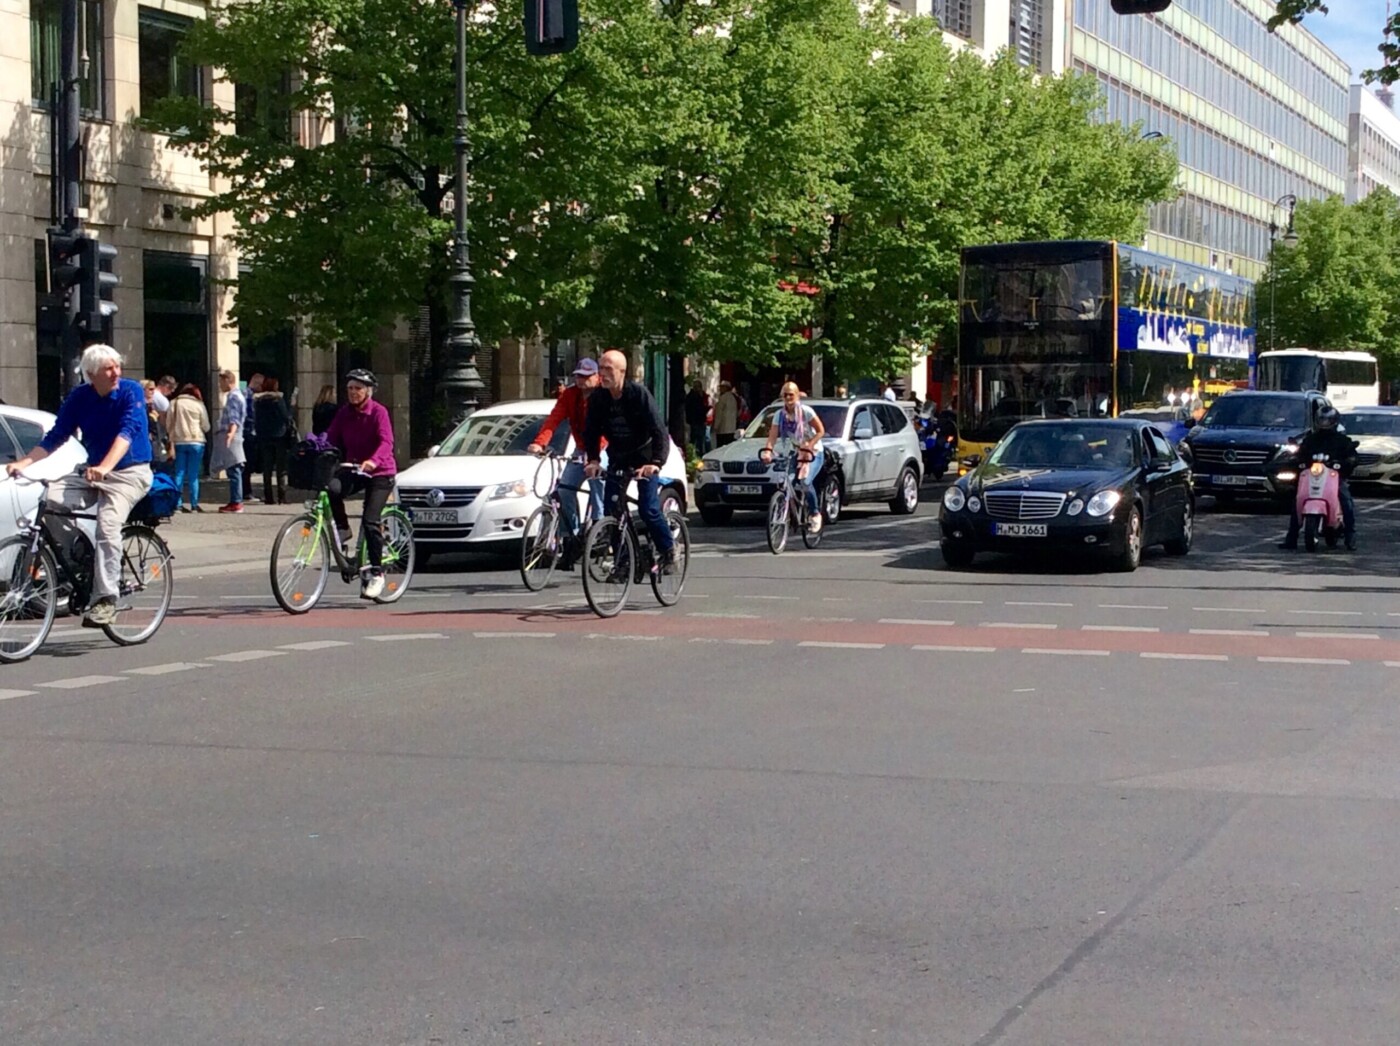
{"points": [[833, 417], [1065, 447], [496, 435], [1258, 412], [1372, 424]]}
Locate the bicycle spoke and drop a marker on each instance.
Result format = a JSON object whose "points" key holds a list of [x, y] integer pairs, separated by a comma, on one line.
{"points": [[28, 598], [396, 559], [145, 588], [299, 565]]}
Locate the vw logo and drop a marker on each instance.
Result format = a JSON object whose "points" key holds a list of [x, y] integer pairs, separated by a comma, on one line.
{"points": [[1230, 456], [436, 498]]}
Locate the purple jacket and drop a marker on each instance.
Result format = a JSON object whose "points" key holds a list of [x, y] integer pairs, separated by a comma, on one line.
{"points": [[365, 435]]}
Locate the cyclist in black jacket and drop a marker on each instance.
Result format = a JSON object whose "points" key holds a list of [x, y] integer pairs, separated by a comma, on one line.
{"points": [[1328, 439], [625, 413]]}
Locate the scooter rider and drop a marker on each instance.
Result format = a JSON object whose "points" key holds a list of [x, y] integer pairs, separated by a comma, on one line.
{"points": [[1328, 439]]}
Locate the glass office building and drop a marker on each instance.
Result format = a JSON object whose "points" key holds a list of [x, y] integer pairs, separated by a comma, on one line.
{"points": [[1255, 116]]}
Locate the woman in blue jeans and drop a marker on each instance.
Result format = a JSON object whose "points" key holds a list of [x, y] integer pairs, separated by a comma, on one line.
{"points": [[188, 425], [800, 425]]}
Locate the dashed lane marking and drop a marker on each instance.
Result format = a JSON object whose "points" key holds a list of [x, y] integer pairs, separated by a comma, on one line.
{"points": [[938, 649], [831, 645], [628, 638], [1131, 606], [1068, 652], [828, 620], [166, 669], [1227, 632], [722, 614], [78, 682], [1183, 657], [1023, 603], [1337, 635], [1230, 610], [953, 602], [6, 695], [911, 621], [314, 644], [400, 637], [733, 642], [1119, 628], [514, 635], [1392, 664], [1304, 660], [1330, 613], [791, 598], [248, 655], [1017, 624]]}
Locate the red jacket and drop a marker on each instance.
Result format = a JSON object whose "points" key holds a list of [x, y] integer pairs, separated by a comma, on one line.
{"points": [[572, 404]]}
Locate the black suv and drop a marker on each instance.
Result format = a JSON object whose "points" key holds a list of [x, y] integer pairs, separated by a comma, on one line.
{"points": [[1247, 443]]}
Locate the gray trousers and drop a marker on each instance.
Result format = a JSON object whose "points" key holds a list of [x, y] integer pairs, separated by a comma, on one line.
{"points": [[114, 498]]}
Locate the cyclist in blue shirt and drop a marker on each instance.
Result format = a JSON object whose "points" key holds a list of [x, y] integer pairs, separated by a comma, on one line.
{"points": [[110, 413]]}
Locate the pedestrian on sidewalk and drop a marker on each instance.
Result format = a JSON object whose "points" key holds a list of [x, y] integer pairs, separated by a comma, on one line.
{"points": [[323, 410], [157, 408], [189, 427], [726, 414], [697, 408], [273, 424], [228, 454], [250, 435]]}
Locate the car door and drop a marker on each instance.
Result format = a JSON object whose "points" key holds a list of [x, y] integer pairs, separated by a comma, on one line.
{"points": [[892, 440], [1166, 484], [23, 497], [861, 469]]}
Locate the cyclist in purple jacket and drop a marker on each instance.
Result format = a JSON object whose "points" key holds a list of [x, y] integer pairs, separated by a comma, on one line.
{"points": [[364, 435]]}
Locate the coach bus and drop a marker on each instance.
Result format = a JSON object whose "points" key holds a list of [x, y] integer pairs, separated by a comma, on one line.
{"points": [[1350, 379], [1087, 329]]}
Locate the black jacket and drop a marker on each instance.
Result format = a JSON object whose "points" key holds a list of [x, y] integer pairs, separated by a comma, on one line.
{"points": [[632, 426], [321, 415], [272, 416], [1339, 449]]}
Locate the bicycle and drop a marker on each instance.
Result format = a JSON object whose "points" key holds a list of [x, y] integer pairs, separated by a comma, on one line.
{"points": [[306, 545], [617, 553], [787, 509], [35, 566], [542, 544]]}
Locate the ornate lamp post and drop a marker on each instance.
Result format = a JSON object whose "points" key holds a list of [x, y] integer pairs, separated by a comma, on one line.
{"points": [[1289, 239], [460, 387]]}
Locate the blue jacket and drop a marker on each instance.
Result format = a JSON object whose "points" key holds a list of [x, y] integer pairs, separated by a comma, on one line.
{"points": [[101, 419]]}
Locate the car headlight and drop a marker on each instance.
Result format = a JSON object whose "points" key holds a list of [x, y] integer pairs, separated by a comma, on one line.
{"points": [[1391, 459], [1288, 450], [517, 489], [974, 504], [1074, 507], [954, 499], [1104, 502], [709, 465]]}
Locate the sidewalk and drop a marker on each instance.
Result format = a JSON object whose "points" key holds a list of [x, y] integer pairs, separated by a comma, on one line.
{"points": [[210, 543]]}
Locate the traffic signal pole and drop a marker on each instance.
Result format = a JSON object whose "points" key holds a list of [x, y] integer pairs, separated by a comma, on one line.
{"points": [[68, 126]]}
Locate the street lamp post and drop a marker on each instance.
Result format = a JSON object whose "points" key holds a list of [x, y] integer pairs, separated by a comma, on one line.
{"points": [[1290, 239], [460, 387]]}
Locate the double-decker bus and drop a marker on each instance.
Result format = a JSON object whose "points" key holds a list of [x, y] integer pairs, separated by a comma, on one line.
{"points": [[1087, 328]]}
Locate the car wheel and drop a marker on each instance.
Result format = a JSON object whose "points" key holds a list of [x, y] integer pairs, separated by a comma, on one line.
{"points": [[906, 493], [672, 500], [1181, 544], [957, 555], [716, 515], [1131, 555], [830, 499]]}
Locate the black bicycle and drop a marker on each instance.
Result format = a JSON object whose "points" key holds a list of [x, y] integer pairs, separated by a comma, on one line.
{"points": [[36, 569], [617, 553], [543, 542], [787, 509]]}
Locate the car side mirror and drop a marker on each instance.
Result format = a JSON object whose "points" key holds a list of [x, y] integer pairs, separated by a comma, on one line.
{"points": [[864, 432], [433, 450]]}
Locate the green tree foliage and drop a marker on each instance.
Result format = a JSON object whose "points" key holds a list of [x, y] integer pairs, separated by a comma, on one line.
{"points": [[1294, 11], [1335, 289]]}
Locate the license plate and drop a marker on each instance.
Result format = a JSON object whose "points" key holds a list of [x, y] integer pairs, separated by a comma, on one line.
{"points": [[1230, 481], [435, 515], [743, 488], [1021, 530]]}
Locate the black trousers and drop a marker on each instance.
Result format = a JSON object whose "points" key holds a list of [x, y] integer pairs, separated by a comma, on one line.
{"points": [[377, 490], [273, 454]]}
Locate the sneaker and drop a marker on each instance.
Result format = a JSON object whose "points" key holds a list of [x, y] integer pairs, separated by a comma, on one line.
{"points": [[101, 613], [815, 523], [199, 508], [666, 562], [231, 507], [186, 508], [372, 586]]}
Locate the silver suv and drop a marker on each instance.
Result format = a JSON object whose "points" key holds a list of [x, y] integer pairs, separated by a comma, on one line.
{"points": [[872, 454]]}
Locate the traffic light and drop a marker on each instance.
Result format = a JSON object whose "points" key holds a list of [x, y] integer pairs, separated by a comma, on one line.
{"points": [[1140, 7], [96, 284], [551, 26], [64, 265]]}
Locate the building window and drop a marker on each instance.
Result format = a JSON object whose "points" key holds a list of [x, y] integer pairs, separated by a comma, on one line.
{"points": [[176, 313], [45, 42], [165, 71]]}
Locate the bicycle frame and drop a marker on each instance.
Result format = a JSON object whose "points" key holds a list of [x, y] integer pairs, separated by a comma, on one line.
{"points": [[38, 534], [627, 521]]}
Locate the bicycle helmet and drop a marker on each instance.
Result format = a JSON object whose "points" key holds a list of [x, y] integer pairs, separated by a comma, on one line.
{"points": [[1328, 417], [363, 376]]}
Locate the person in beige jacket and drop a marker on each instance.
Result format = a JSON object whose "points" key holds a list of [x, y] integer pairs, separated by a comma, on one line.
{"points": [[188, 423]]}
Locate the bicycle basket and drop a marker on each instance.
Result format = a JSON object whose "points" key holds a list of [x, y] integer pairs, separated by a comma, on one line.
{"points": [[160, 501], [311, 468]]}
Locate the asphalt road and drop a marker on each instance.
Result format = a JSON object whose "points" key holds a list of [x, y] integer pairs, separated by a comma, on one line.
{"points": [[834, 797]]}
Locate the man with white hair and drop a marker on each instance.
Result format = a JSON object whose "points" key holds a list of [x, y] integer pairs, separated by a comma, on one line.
{"points": [[110, 413]]}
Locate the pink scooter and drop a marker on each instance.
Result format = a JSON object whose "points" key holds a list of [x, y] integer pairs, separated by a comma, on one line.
{"points": [[1319, 503]]}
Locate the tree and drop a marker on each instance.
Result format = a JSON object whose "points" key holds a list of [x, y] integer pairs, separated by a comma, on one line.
{"points": [[1294, 11], [1335, 288]]}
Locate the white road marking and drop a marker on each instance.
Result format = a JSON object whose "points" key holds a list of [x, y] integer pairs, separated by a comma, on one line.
{"points": [[1332, 613], [1230, 610], [1392, 664], [835, 599], [1016, 624], [78, 682], [1228, 632], [793, 598], [1184, 657], [70, 633], [314, 644], [828, 620], [1305, 660], [400, 637], [958, 649], [514, 635], [841, 646], [721, 614], [734, 642], [6, 695], [911, 621], [953, 602], [635, 639], [1337, 635], [248, 655], [165, 670], [1130, 606], [1015, 603], [1120, 628], [1072, 653]]}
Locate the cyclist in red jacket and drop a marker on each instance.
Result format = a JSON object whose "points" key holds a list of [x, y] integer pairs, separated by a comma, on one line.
{"points": [[572, 406]]}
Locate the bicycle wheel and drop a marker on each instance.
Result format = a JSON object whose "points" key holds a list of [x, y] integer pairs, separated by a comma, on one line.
{"points": [[778, 521], [28, 598], [540, 545], [300, 564], [667, 584], [396, 561], [145, 589], [609, 556], [811, 538]]}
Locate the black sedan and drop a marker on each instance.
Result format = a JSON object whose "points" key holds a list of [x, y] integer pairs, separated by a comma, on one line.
{"points": [[1111, 487]]}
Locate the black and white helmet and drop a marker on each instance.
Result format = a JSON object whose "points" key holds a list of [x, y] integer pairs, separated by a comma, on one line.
{"points": [[363, 376], [1328, 417]]}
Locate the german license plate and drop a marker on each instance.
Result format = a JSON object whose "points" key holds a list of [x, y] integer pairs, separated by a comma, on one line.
{"points": [[1230, 481], [1021, 530], [743, 488], [435, 515]]}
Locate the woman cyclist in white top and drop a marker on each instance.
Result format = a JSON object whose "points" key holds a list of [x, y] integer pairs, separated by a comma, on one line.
{"points": [[801, 425]]}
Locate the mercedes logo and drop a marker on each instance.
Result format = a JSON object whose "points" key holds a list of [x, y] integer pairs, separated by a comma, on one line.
{"points": [[436, 498], [1230, 456]]}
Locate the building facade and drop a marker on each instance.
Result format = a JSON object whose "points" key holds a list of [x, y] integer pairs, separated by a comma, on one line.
{"points": [[1373, 144]]}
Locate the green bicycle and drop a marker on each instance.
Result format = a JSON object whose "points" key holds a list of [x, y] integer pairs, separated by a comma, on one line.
{"points": [[306, 546]]}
